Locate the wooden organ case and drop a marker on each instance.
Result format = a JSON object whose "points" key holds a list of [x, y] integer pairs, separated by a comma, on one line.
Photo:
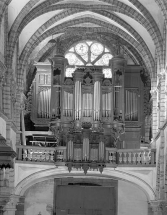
{"points": [[88, 111]]}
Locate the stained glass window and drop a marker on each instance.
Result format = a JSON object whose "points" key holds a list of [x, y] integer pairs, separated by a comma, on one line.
{"points": [[89, 53]]}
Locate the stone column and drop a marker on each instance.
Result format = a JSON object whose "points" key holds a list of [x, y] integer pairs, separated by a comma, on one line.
{"points": [[154, 114], [7, 93], [18, 109], [58, 63], [162, 98], [1, 90]]}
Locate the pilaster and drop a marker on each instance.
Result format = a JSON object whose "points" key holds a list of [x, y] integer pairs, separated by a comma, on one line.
{"points": [[10, 207], [154, 112], [162, 99]]}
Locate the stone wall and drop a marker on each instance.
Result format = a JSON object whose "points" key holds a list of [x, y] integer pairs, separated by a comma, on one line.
{"points": [[39, 198]]}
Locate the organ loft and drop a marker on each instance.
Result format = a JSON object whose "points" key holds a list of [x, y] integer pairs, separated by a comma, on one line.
{"points": [[89, 101]]}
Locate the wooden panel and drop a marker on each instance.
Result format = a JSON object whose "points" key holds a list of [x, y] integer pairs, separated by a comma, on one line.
{"points": [[89, 200]]}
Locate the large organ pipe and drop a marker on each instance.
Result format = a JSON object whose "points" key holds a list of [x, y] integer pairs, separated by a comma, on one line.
{"points": [[68, 101], [101, 151], [106, 104], [97, 94], [70, 150], [85, 149], [44, 103], [77, 100], [131, 106]]}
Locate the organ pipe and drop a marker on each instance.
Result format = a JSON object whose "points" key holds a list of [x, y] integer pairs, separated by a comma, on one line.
{"points": [[106, 104], [85, 149], [97, 93], [87, 105], [44, 97], [68, 104], [101, 151], [131, 112], [70, 150], [77, 100]]}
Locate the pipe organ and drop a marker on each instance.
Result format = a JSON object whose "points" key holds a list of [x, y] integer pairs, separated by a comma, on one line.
{"points": [[88, 111]]}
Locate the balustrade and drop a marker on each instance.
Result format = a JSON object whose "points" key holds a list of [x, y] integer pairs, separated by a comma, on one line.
{"points": [[40, 154], [113, 157], [136, 157]]}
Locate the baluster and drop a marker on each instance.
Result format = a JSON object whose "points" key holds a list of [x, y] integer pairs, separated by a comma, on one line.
{"points": [[147, 158], [47, 156], [114, 157], [129, 157], [143, 157], [38, 155], [24, 154], [30, 154], [120, 157], [33, 155], [139, 158], [43, 155], [51, 156], [125, 157], [134, 157]]}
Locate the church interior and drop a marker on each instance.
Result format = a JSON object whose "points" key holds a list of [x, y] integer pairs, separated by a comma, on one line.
{"points": [[83, 107]]}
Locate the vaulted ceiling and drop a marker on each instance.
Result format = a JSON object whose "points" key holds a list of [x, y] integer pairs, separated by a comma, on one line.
{"points": [[139, 25]]}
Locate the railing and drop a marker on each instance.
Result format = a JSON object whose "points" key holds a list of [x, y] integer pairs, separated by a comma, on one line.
{"points": [[113, 157], [41, 154], [129, 157]]}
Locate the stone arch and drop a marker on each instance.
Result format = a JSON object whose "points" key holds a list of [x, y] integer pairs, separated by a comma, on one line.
{"points": [[67, 41], [39, 10], [163, 8], [63, 172], [3, 6], [107, 14], [109, 28]]}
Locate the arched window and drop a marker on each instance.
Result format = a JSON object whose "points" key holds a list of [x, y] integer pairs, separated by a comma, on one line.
{"points": [[88, 53]]}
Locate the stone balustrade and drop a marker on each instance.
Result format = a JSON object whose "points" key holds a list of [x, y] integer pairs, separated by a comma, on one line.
{"points": [[113, 157], [129, 157], [41, 154]]}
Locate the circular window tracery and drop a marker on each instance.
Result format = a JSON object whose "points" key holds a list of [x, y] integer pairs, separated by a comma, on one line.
{"points": [[89, 53]]}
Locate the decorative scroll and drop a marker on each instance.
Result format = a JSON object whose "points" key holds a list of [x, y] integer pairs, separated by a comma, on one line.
{"points": [[97, 94], [87, 105], [68, 104], [77, 100], [106, 105], [44, 102], [131, 107]]}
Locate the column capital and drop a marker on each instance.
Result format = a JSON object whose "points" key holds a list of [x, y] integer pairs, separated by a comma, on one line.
{"points": [[162, 75], [10, 204], [158, 207], [154, 93]]}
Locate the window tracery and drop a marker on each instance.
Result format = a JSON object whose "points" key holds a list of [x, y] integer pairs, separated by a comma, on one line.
{"points": [[89, 53]]}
